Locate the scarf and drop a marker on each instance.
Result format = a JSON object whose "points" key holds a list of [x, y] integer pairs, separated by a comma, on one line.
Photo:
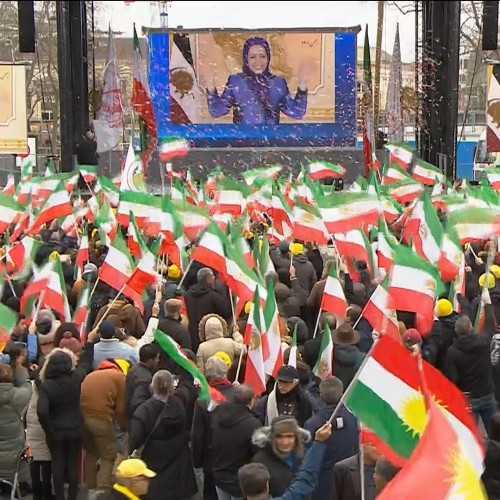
{"points": [[125, 492]]}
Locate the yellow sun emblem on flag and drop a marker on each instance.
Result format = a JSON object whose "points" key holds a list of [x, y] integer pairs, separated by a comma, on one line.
{"points": [[467, 484], [413, 412]]}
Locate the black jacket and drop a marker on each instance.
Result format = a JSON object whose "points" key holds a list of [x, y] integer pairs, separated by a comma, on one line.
{"points": [[176, 330], [468, 364], [448, 336], [491, 474], [137, 389], [305, 272], [202, 299], [232, 428], [346, 361], [347, 479], [58, 406], [495, 364], [166, 451]]}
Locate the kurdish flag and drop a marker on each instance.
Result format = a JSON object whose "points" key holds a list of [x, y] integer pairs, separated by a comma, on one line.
{"points": [[386, 396]]}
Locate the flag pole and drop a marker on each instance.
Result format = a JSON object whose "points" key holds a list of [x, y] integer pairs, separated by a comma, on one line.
{"points": [[239, 365], [184, 275], [106, 312], [361, 467]]}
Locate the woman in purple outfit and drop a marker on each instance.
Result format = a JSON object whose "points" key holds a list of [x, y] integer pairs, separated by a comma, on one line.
{"points": [[256, 96]]}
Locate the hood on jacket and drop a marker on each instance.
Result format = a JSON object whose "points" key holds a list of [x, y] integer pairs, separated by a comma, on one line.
{"points": [[200, 289], [262, 439], [212, 332], [59, 361], [450, 320], [300, 258], [469, 343], [231, 414]]}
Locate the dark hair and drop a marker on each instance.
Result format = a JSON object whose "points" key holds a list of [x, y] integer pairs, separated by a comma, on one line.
{"points": [[148, 352], [65, 327], [495, 427], [243, 394], [253, 479], [5, 374]]}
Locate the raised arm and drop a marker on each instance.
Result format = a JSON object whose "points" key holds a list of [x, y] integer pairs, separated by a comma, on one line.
{"points": [[220, 105]]}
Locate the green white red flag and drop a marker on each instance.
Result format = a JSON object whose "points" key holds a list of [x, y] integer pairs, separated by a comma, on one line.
{"points": [[272, 328], [323, 368], [334, 300], [318, 170], [8, 320]]}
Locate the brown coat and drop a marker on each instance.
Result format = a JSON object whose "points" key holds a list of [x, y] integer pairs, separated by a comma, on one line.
{"points": [[103, 394], [129, 316], [316, 294]]}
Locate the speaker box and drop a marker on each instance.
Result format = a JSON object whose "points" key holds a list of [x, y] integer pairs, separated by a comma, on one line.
{"points": [[26, 21], [490, 25]]}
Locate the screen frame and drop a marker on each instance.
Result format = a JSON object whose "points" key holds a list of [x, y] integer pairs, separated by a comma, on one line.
{"points": [[341, 133]]}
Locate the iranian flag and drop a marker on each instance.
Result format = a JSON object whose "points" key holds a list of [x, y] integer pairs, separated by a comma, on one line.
{"points": [[10, 211], [210, 250], [451, 256], [272, 328], [20, 257], [493, 176], [386, 396], [480, 318], [269, 172], [473, 223], [414, 283], [26, 170], [106, 221], [140, 204], [81, 313], [10, 187], [58, 205], [292, 357], [394, 173], [88, 173], [145, 273], [194, 219], [134, 238], [405, 191], [281, 215], [83, 251], [173, 147], [379, 315], [323, 368], [401, 154], [308, 224], [355, 244], [333, 299], [318, 170], [427, 174], [175, 353], [257, 348], [230, 197], [8, 320]]}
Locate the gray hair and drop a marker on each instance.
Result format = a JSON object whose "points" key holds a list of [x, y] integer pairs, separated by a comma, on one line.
{"points": [[203, 274], [331, 390], [463, 326], [253, 479], [162, 383], [243, 394], [215, 368]]}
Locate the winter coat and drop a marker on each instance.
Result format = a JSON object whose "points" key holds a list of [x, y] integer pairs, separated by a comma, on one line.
{"points": [[233, 426], [365, 332], [176, 330], [346, 361], [14, 398], [212, 343], [35, 435], [342, 444], [347, 479], [281, 473], [305, 272], [113, 349], [201, 299], [137, 388], [468, 365], [200, 431], [58, 406], [491, 474], [314, 256], [129, 315], [448, 336], [166, 451]]}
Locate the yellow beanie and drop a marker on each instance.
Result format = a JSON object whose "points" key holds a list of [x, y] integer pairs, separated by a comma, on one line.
{"points": [[490, 283], [225, 357], [174, 272], [248, 307], [443, 308], [297, 248], [495, 270]]}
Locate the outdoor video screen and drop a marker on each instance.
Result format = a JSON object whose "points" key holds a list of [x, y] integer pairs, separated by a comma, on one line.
{"points": [[225, 88]]}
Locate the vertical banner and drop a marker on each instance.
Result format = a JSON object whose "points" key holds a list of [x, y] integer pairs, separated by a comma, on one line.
{"points": [[13, 122], [493, 109]]}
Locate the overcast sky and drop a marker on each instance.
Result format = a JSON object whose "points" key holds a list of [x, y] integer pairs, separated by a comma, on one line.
{"points": [[255, 14]]}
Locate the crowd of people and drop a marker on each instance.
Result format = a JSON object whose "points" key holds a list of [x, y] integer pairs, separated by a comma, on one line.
{"points": [[115, 413]]}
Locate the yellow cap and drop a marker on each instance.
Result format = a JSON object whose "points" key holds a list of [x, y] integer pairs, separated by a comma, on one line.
{"points": [[297, 248], [174, 272], [225, 357], [133, 467], [495, 270], [443, 308], [248, 306], [490, 283]]}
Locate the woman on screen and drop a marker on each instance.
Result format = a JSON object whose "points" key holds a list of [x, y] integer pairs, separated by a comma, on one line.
{"points": [[256, 96]]}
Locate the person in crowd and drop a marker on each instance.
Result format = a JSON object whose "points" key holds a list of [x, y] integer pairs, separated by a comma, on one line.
{"points": [[45, 329], [384, 473], [254, 478], [221, 391], [213, 338], [447, 317], [132, 480], [202, 299], [495, 364], [129, 315], [255, 95], [287, 398], [282, 448], [347, 473], [233, 425], [347, 357], [59, 412], [172, 324], [102, 400], [304, 269], [86, 148], [468, 366], [159, 427], [15, 394], [109, 347], [491, 474], [139, 377], [344, 441]]}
